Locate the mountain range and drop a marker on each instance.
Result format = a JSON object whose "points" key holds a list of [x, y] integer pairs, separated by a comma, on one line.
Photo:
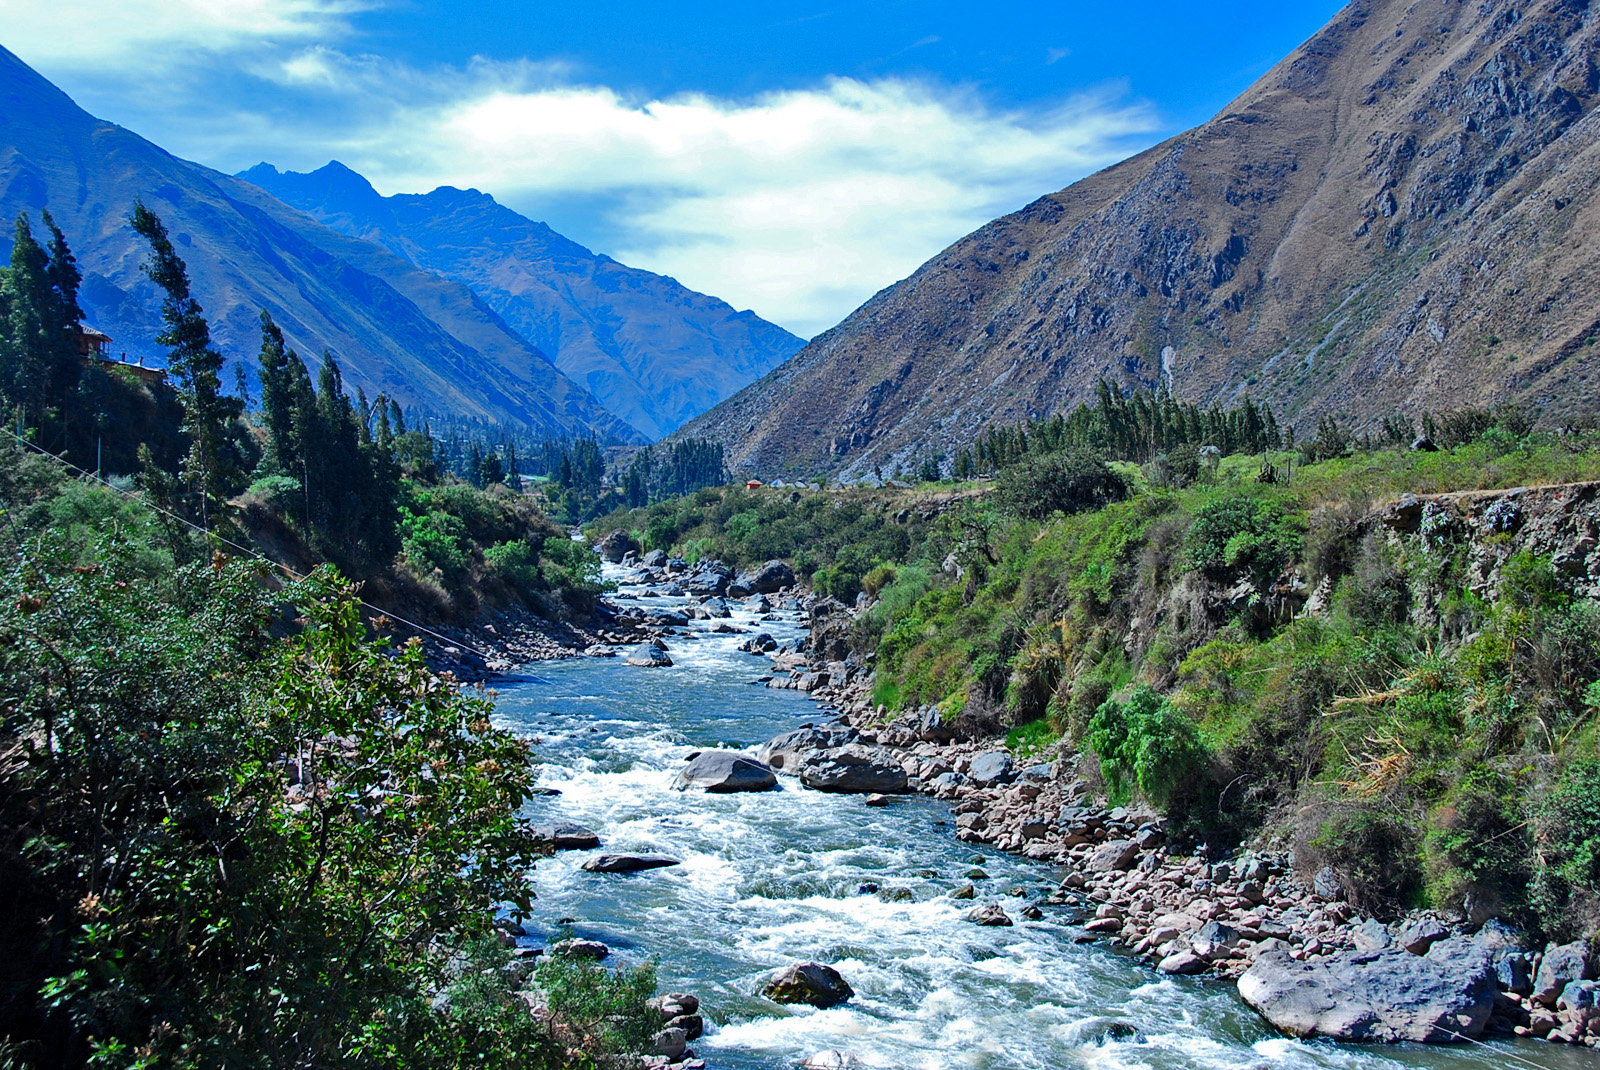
{"points": [[653, 351], [1397, 218], [447, 302]]}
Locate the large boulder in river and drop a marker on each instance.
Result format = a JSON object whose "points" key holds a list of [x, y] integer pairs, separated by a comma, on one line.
{"points": [[566, 836], [617, 545], [709, 578], [853, 768], [628, 863], [725, 771], [649, 654], [769, 578], [787, 751], [808, 982], [1387, 995]]}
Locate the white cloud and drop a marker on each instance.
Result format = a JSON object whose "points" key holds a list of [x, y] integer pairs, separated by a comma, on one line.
{"points": [[799, 204], [91, 33]]}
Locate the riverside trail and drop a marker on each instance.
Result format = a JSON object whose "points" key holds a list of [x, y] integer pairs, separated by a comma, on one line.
{"points": [[773, 878]]}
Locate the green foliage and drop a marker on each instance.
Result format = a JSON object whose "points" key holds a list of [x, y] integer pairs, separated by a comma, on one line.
{"points": [[1067, 482], [241, 848], [434, 541], [516, 562], [606, 1007], [1148, 741], [1032, 737], [1242, 535]]}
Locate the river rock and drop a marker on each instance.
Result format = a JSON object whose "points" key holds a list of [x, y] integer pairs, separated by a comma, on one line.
{"points": [[988, 914], [1389, 995], [1183, 963], [716, 609], [769, 578], [709, 578], [808, 982], [1561, 966], [853, 768], [1419, 935], [654, 559], [966, 891], [649, 655], [629, 863], [724, 771], [1370, 935], [992, 768], [1113, 855], [830, 1060], [566, 836], [760, 643], [1514, 973], [670, 1042], [617, 545], [946, 785], [787, 751], [586, 950], [672, 1005], [1214, 939]]}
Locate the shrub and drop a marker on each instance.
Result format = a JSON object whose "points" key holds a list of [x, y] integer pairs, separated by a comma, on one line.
{"points": [[1567, 840], [1242, 536], [434, 541], [1067, 482], [515, 562], [1149, 740], [1373, 851]]}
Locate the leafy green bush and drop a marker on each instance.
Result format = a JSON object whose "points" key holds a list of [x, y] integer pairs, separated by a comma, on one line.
{"points": [[1242, 535], [1566, 835], [1067, 482], [436, 540], [515, 562], [607, 1008], [1150, 742]]}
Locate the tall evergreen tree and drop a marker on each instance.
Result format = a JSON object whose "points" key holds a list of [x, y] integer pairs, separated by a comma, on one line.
{"points": [[195, 366]]}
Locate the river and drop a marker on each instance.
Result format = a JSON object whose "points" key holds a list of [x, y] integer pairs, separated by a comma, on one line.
{"points": [[774, 878]]}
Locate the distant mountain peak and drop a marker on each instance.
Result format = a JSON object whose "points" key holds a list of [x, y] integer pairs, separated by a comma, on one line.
{"points": [[1394, 220], [655, 352], [426, 341]]}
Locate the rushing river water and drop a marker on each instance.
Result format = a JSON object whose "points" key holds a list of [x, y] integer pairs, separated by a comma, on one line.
{"points": [[774, 878]]}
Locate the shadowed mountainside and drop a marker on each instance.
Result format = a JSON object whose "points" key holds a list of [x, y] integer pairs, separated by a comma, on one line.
{"points": [[1393, 219], [653, 351], [424, 340]]}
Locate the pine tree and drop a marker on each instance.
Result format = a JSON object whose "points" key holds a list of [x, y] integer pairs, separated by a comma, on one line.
{"points": [[194, 365]]}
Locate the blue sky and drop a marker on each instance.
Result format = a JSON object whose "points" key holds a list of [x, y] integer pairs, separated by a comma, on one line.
{"points": [[791, 158]]}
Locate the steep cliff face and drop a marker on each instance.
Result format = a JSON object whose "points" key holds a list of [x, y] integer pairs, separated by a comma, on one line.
{"points": [[426, 341], [1395, 218], [655, 352]]}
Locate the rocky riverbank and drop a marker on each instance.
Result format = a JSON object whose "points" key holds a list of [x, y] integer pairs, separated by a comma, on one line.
{"points": [[1304, 957]]}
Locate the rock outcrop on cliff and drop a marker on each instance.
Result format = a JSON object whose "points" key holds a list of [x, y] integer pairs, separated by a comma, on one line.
{"points": [[1393, 219]]}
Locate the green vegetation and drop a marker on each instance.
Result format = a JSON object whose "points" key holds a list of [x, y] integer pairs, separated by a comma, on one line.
{"points": [[315, 476], [1432, 738], [835, 540], [1429, 729], [236, 830]]}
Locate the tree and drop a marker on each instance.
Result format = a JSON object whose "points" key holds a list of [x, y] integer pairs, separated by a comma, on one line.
{"points": [[1067, 482], [195, 366]]}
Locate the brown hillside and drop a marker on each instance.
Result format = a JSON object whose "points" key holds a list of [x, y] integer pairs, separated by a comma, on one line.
{"points": [[1398, 217]]}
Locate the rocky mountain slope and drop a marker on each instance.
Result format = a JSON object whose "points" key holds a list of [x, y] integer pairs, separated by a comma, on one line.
{"points": [[426, 341], [1394, 219], [653, 351]]}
